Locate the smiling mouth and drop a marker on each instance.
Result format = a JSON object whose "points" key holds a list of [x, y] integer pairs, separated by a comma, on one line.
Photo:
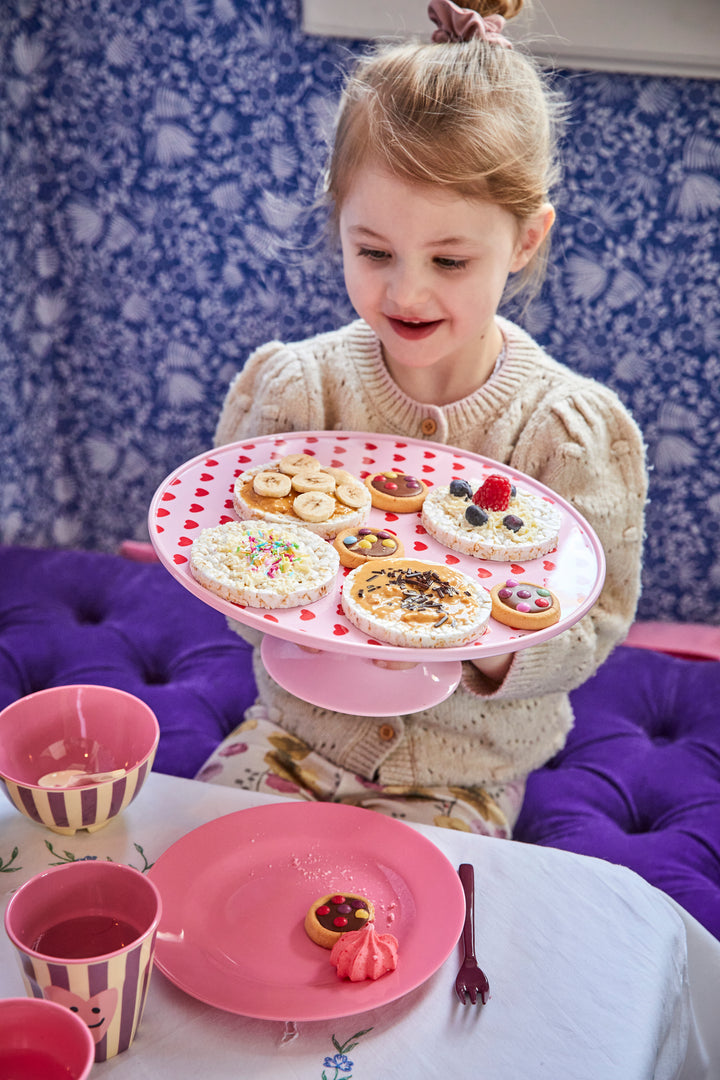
{"points": [[413, 329]]}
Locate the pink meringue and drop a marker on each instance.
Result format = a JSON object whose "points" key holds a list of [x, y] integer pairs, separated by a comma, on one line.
{"points": [[364, 954]]}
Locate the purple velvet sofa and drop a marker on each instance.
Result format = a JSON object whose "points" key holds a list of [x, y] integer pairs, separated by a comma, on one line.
{"points": [[638, 782]]}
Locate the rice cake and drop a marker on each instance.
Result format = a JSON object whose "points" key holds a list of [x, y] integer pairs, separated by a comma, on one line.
{"points": [[416, 604], [259, 564]]}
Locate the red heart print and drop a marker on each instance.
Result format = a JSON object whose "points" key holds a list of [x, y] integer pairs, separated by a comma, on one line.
{"points": [[206, 476], [368, 460], [196, 508], [159, 528], [398, 457], [311, 438], [419, 546], [548, 565], [176, 480], [305, 614], [224, 519], [451, 560], [339, 630], [243, 459], [391, 517], [372, 641], [201, 492], [400, 445], [339, 610], [370, 446], [339, 449], [228, 504], [428, 454], [190, 525], [458, 466], [420, 529], [428, 468], [179, 559], [167, 496], [270, 618], [210, 462], [482, 572], [237, 472], [517, 569], [162, 512], [184, 541], [249, 446], [336, 464]]}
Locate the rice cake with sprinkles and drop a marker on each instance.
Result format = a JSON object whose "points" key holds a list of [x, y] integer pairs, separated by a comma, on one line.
{"points": [[491, 520], [416, 604], [258, 564], [299, 490]]}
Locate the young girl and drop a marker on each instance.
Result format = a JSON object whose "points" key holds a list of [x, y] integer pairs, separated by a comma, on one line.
{"points": [[439, 182]]}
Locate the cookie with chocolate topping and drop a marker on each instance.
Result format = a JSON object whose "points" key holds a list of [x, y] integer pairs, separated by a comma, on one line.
{"points": [[396, 491], [524, 606], [334, 915], [358, 546]]}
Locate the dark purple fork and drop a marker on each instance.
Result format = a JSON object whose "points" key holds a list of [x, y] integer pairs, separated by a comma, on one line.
{"points": [[471, 979]]}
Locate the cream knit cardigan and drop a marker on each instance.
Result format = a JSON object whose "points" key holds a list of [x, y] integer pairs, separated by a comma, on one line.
{"points": [[536, 415]]}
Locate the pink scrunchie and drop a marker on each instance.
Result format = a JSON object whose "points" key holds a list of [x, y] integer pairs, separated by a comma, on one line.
{"points": [[461, 24]]}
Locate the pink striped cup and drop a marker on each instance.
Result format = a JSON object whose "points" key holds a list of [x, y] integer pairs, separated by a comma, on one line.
{"points": [[85, 938], [51, 739]]}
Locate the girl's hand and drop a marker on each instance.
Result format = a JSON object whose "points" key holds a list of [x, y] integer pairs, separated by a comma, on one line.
{"points": [[494, 667]]}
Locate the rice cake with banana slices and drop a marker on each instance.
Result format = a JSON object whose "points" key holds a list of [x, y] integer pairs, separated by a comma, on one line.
{"points": [[416, 604], [299, 490], [264, 565]]}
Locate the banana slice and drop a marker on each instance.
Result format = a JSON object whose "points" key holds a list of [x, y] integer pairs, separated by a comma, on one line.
{"points": [[313, 480], [272, 484], [342, 476], [295, 463], [314, 506], [352, 494]]}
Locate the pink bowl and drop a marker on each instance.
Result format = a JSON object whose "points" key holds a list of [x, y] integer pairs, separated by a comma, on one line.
{"points": [[41, 1039], [96, 729]]}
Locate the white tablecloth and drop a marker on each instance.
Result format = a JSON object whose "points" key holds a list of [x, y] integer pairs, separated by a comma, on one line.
{"points": [[593, 973]]}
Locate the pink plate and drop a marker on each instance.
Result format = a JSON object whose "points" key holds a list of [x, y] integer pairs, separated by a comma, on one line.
{"points": [[198, 495], [236, 890]]}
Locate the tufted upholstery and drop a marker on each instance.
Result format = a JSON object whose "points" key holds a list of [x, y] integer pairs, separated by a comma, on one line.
{"points": [[638, 782]]}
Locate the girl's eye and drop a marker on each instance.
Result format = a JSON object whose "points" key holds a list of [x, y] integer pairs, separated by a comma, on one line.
{"points": [[451, 264], [373, 254]]}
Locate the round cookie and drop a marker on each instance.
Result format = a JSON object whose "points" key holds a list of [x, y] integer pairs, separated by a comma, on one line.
{"points": [[396, 491], [415, 604], [335, 914], [358, 546], [524, 606]]}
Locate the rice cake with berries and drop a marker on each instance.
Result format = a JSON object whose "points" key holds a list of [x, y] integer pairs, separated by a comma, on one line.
{"points": [[416, 604], [396, 492], [260, 564], [358, 546], [493, 520], [299, 490], [524, 606]]}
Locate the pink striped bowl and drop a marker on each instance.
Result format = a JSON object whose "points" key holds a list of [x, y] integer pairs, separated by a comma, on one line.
{"points": [[96, 729]]}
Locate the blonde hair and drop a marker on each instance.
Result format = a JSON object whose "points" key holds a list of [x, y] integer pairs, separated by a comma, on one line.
{"points": [[472, 116]]}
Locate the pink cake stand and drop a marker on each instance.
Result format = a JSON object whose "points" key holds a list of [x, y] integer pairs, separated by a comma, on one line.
{"points": [[340, 673]]}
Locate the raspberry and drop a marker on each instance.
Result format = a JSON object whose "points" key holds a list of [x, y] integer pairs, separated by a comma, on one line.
{"points": [[494, 494]]}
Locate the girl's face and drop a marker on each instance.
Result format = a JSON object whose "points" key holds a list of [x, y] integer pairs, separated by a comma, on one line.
{"points": [[426, 269]]}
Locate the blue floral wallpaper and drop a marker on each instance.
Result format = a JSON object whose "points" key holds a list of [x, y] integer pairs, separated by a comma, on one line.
{"points": [[159, 164]]}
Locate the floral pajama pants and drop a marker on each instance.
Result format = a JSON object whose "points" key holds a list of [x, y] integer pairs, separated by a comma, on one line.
{"points": [[260, 756]]}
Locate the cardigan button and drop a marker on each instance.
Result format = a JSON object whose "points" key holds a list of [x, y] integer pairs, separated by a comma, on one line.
{"points": [[386, 732], [428, 426]]}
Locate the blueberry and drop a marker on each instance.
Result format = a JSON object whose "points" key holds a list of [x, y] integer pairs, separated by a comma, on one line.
{"points": [[461, 489], [512, 522], [475, 515]]}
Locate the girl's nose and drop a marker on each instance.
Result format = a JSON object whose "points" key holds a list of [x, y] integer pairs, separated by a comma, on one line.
{"points": [[406, 288]]}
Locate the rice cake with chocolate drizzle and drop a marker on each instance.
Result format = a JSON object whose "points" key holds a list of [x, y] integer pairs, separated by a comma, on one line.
{"points": [[416, 604], [343, 501]]}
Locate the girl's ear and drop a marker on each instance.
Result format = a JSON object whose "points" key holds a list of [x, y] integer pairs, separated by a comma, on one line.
{"points": [[531, 235]]}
